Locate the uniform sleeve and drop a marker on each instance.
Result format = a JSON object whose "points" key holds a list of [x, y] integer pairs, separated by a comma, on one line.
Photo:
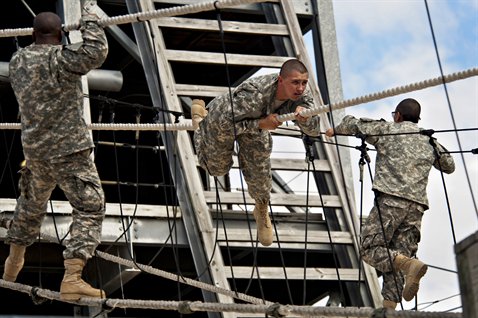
{"points": [[312, 126], [365, 126], [80, 58], [445, 161]]}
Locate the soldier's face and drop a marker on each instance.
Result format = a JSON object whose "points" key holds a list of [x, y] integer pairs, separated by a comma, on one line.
{"points": [[292, 85]]}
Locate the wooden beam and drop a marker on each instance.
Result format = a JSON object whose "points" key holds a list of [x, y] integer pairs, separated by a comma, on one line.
{"points": [[287, 236], [228, 26], [112, 209], [283, 199], [218, 58], [200, 90], [293, 273]]}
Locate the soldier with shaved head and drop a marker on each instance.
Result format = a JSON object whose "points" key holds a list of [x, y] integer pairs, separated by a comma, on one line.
{"points": [[390, 235], [250, 116], [46, 79]]}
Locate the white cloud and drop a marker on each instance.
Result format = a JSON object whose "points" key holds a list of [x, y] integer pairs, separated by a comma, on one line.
{"points": [[383, 44]]}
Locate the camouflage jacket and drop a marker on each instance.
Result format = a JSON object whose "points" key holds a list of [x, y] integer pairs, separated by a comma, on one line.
{"points": [[254, 99], [46, 80], [403, 161]]}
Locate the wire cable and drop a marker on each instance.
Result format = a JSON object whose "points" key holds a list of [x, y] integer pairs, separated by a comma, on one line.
{"points": [[450, 108]]}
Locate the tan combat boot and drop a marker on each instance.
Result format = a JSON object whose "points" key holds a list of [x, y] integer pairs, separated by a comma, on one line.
{"points": [[73, 287], [388, 304], [413, 269], [14, 262], [263, 222], [198, 112]]}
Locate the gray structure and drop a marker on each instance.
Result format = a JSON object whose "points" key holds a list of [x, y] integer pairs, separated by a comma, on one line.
{"points": [[163, 210]]}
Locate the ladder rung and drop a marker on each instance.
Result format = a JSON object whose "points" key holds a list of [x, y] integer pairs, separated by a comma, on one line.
{"points": [[282, 199], [315, 273], [200, 90], [228, 26], [287, 236], [298, 164], [289, 164], [218, 58], [292, 164]]}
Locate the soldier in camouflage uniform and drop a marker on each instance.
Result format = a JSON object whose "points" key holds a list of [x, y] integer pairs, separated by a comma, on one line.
{"points": [[256, 104], [46, 79], [391, 233]]}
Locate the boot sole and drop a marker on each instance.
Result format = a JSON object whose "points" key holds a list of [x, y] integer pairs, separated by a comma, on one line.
{"points": [[70, 297], [411, 289], [78, 296]]}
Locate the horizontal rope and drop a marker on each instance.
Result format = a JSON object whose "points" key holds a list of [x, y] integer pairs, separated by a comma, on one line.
{"points": [[185, 307], [144, 16], [186, 124]]}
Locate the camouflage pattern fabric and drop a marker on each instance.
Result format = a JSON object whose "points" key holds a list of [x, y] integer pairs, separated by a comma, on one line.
{"points": [[401, 219], [56, 143], [76, 175], [253, 100], [46, 82], [402, 168], [404, 160]]}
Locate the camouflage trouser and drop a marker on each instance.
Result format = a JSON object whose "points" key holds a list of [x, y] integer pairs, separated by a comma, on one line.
{"points": [[214, 143], [76, 175], [401, 222]]}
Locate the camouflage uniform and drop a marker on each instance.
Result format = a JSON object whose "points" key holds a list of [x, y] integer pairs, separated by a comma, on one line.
{"points": [[401, 175], [253, 100], [56, 143]]}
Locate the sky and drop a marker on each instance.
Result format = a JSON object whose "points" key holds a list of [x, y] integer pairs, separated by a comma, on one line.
{"points": [[388, 43], [384, 44]]}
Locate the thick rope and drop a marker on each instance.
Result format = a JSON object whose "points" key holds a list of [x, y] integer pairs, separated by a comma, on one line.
{"points": [[276, 310], [186, 124], [167, 275], [384, 94], [143, 16]]}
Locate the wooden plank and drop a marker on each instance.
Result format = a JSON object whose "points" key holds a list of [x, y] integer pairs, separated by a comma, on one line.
{"points": [[293, 273], [283, 199], [112, 209], [298, 164], [200, 90], [289, 164], [218, 58], [228, 26], [287, 236]]}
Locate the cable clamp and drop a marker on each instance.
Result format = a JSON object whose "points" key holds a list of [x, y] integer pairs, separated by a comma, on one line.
{"points": [[185, 308], [273, 310], [37, 299], [379, 313]]}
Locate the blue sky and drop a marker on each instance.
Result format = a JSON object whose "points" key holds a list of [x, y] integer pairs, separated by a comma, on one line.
{"points": [[384, 44]]}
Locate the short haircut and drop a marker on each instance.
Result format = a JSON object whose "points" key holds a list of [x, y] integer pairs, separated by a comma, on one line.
{"points": [[47, 24], [292, 65], [409, 109]]}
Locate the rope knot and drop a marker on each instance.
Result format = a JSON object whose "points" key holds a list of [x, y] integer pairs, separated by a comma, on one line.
{"points": [[37, 299], [273, 310], [185, 308], [379, 313]]}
